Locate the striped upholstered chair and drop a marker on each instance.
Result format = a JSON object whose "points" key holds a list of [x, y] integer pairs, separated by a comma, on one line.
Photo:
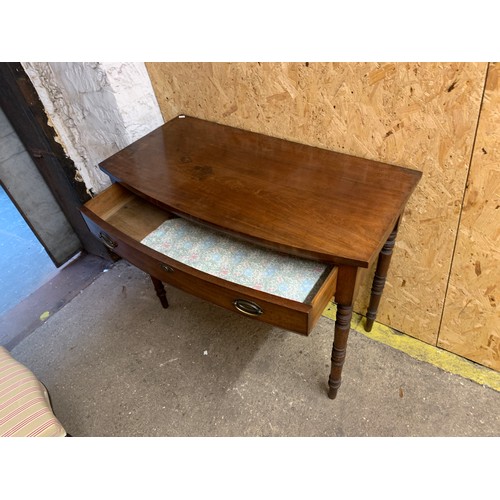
{"points": [[25, 408]]}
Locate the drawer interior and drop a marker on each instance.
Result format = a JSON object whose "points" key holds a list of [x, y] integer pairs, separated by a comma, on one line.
{"points": [[211, 252], [127, 212]]}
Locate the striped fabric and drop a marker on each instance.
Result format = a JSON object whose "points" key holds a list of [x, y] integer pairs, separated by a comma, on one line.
{"points": [[25, 408]]}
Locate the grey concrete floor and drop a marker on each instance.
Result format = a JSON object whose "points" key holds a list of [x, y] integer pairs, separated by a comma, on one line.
{"points": [[117, 364]]}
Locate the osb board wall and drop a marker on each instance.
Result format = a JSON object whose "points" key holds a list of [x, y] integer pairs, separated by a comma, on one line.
{"points": [[471, 320], [422, 116]]}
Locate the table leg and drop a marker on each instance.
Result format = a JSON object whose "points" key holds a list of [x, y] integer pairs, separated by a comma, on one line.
{"points": [[344, 297], [160, 291], [384, 259]]}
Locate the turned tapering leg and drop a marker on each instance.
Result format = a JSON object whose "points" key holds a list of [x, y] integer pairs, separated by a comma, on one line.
{"points": [[384, 260], [342, 326], [160, 291], [344, 297]]}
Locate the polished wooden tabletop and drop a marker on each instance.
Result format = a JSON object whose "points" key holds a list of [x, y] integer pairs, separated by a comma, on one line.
{"points": [[300, 199]]}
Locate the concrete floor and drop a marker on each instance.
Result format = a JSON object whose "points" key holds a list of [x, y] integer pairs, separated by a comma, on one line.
{"points": [[117, 364]]}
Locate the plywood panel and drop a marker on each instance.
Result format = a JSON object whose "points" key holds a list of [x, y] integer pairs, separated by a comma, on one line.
{"points": [[471, 320], [422, 116]]}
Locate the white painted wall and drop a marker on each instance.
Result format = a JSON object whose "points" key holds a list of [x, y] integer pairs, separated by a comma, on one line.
{"points": [[96, 109]]}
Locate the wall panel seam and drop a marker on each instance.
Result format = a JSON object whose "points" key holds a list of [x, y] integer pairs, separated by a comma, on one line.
{"points": [[471, 159]]}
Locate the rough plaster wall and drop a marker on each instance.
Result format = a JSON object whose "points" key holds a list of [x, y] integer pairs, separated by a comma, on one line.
{"points": [[135, 98], [96, 109]]}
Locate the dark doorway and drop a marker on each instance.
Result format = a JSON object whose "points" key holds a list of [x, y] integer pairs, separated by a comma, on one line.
{"points": [[23, 109], [46, 190], [32, 197]]}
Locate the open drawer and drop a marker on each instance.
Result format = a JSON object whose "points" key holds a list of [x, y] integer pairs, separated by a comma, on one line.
{"points": [[276, 288]]}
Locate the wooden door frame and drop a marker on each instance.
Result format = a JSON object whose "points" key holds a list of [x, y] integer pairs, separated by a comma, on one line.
{"points": [[23, 108]]}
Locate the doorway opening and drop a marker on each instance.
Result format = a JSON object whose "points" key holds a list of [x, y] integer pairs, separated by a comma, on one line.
{"points": [[38, 181], [24, 263]]}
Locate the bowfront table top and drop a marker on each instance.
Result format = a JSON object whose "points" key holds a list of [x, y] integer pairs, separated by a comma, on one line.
{"points": [[287, 196]]}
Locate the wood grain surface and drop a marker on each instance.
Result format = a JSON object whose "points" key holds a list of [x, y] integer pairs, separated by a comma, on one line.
{"points": [[419, 115], [271, 191], [471, 320]]}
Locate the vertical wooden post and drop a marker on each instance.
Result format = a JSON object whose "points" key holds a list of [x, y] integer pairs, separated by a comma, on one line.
{"points": [[384, 260], [344, 297], [160, 291]]}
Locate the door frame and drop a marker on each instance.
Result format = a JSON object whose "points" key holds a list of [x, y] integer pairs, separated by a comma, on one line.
{"points": [[26, 113]]}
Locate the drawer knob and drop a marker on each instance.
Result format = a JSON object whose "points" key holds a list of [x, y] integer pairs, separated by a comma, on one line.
{"points": [[167, 268], [247, 307], [108, 241]]}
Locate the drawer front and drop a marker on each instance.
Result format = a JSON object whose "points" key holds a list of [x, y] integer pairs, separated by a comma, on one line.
{"points": [[264, 307], [246, 302]]}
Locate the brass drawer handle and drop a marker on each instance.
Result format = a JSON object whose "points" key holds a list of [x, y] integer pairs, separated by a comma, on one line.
{"points": [[167, 268], [108, 241], [247, 307]]}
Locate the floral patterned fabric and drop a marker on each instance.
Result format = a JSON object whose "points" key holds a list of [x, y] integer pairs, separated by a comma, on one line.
{"points": [[236, 261]]}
